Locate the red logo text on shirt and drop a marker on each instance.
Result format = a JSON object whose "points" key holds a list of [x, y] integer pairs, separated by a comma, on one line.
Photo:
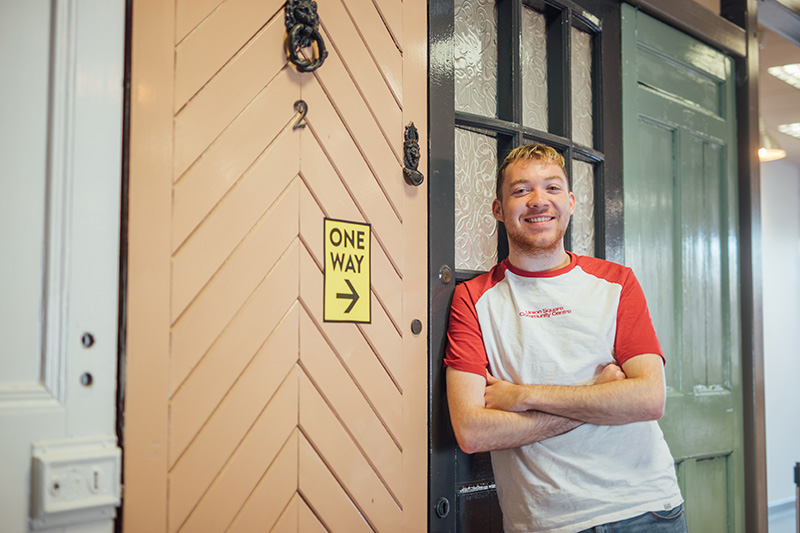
{"points": [[545, 313]]}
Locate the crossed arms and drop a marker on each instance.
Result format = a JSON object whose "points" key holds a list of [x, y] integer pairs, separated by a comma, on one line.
{"points": [[491, 414]]}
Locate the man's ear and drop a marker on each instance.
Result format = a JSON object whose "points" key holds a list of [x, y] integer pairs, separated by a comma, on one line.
{"points": [[497, 209], [571, 202]]}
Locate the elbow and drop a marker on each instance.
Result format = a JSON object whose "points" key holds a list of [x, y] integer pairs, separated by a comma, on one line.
{"points": [[654, 409], [471, 447], [651, 403], [468, 441], [655, 413]]}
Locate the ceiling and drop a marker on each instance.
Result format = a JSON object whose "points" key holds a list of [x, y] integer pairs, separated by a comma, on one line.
{"points": [[794, 5], [779, 102]]}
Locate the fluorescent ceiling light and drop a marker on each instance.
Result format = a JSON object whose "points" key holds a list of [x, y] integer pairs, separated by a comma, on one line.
{"points": [[790, 129], [788, 73]]}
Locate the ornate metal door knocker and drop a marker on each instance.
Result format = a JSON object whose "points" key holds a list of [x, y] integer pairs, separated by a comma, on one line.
{"points": [[302, 25], [411, 156]]}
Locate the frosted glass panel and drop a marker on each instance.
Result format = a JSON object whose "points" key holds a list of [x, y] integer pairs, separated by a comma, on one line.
{"points": [[583, 219], [476, 228], [475, 57], [533, 54], [582, 121]]}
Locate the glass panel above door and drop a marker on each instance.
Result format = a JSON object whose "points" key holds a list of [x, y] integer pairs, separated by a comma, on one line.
{"points": [[581, 77], [476, 228], [533, 56], [475, 57]]}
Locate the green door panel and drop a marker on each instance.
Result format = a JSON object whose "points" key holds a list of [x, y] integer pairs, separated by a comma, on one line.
{"points": [[699, 424], [704, 482], [688, 86], [680, 220], [649, 239]]}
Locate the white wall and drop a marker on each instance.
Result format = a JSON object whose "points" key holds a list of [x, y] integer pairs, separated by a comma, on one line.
{"points": [[780, 215]]}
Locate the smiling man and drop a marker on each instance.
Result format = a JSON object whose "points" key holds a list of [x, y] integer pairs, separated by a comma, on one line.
{"points": [[554, 367]]}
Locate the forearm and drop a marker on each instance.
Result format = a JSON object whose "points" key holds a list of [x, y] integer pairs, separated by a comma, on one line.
{"points": [[480, 429], [615, 398], [483, 429], [615, 403]]}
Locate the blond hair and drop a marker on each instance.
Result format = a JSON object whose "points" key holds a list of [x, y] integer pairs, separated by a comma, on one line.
{"points": [[528, 152]]}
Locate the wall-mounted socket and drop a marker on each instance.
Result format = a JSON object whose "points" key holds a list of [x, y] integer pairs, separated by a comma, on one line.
{"points": [[75, 481]]}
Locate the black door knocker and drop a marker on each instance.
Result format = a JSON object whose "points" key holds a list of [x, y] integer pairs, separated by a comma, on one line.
{"points": [[411, 156], [302, 25]]}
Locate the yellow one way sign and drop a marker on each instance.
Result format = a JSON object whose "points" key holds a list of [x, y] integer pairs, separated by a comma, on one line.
{"points": [[347, 272]]}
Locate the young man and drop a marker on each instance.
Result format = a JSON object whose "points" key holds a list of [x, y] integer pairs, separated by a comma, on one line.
{"points": [[554, 367]]}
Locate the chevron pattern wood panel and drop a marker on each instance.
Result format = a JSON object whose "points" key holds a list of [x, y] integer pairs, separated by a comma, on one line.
{"points": [[279, 421]]}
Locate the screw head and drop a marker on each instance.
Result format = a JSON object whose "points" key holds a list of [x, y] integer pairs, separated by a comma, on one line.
{"points": [[87, 340], [416, 326]]}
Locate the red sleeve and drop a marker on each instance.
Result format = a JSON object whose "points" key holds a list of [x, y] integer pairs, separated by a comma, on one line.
{"points": [[465, 349], [635, 332]]}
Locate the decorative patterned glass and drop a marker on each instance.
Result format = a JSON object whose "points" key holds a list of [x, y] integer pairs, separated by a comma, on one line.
{"points": [[475, 57], [582, 122], [533, 55], [476, 228], [583, 218]]}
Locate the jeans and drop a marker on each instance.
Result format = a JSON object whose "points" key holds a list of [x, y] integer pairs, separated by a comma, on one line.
{"points": [[672, 521]]}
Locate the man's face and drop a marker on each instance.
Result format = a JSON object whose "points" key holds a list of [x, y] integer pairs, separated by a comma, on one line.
{"points": [[536, 206]]}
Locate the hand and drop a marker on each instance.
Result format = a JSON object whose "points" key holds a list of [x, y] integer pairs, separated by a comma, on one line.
{"points": [[611, 372], [503, 395]]}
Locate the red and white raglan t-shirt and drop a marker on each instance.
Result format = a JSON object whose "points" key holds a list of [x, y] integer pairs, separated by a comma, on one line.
{"points": [[557, 328]]}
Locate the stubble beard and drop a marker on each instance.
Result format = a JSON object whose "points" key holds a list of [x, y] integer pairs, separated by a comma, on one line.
{"points": [[531, 245]]}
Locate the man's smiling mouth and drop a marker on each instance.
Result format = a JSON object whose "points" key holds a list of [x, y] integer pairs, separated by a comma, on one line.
{"points": [[539, 219]]}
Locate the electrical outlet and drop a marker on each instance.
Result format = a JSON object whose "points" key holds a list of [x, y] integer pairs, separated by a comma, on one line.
{"points": [[73, 478]]}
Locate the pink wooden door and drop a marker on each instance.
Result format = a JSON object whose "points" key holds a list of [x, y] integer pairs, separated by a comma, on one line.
{"points": [[245, 410]]}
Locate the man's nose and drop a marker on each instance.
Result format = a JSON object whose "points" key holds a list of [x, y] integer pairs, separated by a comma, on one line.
{"points": [[536, 199]]}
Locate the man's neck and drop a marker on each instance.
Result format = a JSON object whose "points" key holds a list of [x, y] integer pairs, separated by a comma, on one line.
{"points": [[543, 261]]}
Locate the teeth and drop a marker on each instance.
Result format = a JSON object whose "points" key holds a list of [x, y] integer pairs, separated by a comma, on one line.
{"points": [[539, 219]]}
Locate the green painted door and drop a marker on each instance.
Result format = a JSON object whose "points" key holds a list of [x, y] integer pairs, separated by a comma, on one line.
{"points": [[681, 238]]}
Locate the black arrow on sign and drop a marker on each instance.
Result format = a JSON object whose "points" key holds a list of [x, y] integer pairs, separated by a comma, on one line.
{"points": [[352, 296]]}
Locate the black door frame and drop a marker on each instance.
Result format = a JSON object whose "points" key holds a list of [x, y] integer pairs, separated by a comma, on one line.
{"points": [[444, 459], [734, 32]]}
